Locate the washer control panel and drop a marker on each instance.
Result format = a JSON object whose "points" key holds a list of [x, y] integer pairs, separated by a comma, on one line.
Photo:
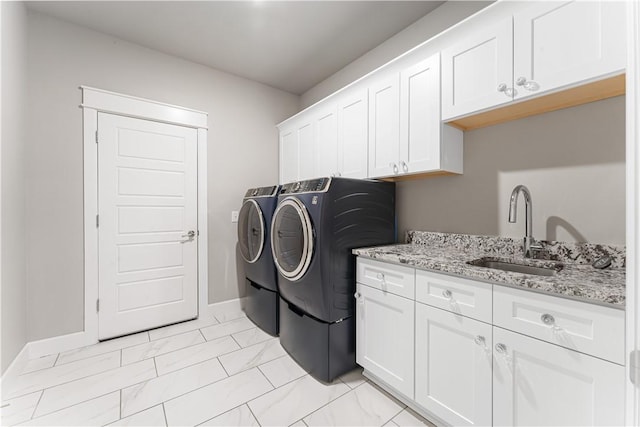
{"points": [[262, 191], [308, 186]]}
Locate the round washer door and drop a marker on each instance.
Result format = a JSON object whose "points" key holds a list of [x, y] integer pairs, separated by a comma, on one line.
{"points": [[291, 238], [251, 231]]}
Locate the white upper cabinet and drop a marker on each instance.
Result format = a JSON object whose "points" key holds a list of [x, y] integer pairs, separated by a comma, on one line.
{"points": [[288, 155], [477, 70], [353, 134], [307, 150], [542, 47], [384, 126], [563, 43], [327, 141]]}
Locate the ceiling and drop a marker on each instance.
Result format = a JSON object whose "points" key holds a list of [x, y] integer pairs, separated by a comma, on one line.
{"points": [[290, 45]]}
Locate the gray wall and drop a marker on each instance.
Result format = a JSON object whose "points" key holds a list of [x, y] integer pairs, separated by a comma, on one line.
{"points": [[14, 289], [433, 23], [243, 152], [572, 161]]}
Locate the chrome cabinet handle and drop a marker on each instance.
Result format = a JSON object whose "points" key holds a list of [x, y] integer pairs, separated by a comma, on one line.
{"points": [[501, 348], [480, 340], [447, 293], [548, 319], [405, 167], [530, 85], [509, 91]]}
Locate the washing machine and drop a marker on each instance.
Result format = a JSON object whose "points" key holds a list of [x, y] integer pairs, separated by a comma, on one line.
{"points": [[254, 226], [316, 225]]}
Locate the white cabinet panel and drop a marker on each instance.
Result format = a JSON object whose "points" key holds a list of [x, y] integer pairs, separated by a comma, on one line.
{"points": [[288, 155], [307, 147], [384, 126], [473, 69], [327, 142], [387, 277], [536, 383], [353, 134], [563, 43], [584, 327], [420, 123], [384, 337], [467, 297], [453, 366]]}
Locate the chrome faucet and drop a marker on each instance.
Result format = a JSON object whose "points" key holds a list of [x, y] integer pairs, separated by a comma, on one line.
{"points": [[529, 245]]}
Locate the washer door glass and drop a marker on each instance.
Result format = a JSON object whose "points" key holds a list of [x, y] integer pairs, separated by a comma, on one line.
{"points": [[292, 238], [251, 231]]}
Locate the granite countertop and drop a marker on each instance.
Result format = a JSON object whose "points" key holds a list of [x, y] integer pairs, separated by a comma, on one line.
{"points": [[449, 253]]}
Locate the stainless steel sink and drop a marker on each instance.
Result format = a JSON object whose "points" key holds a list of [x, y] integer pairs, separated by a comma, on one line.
{"points": [[549, 268]]}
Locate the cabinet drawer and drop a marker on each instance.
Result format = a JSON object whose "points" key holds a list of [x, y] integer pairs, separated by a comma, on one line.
{"points": [[392, 278], [462, 296], [584, 327]]}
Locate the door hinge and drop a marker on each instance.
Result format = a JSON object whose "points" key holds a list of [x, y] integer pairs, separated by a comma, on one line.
{"points": [[97, 221], [96, 137], [97, 306], [634, 367]]}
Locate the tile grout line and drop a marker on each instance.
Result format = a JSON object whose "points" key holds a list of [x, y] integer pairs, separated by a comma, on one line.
{"points": [[120, 405], [329, 402], [196, 363], [179, 333], [36, 406], [251, 410], [156, 367], [71, 406], [164, 411]]}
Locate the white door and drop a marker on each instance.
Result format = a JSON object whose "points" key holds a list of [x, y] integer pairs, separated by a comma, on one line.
{"points": [[561, 43], [453, 366], [147, 204], [477, 72], [353, 139], [384, 126], [420, 116], [540, 384], [288, 156], [327, 142], [384, 337], [307, 151]]}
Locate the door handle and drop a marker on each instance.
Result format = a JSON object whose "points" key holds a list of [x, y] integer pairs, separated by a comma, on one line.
{"points": [[191, 234]]}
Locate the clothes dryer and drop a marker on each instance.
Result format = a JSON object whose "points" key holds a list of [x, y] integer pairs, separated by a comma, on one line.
{"points": [[254, 226], [316, 225]]}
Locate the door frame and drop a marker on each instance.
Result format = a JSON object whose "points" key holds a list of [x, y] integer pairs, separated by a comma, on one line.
{"points": [[633, 210], [96, 101]]}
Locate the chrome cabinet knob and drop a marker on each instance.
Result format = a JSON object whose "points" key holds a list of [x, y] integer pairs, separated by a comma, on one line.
{"points": [[380, 276], [357, 295], [548, 319], [394, 167], [530, 85], [509, 91], [447, 293], [502, 87], [501, 348], [338, 173], [480, 340]]}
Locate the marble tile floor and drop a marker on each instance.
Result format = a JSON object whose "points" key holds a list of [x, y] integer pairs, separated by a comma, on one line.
{"points": [[215, 371]]}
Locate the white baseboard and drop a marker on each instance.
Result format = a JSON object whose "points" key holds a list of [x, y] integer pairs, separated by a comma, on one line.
{"points": [[44, 347], [226, 306], [18, 363]]}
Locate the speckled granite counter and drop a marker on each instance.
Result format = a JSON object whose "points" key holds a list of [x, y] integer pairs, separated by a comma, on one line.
{"points": [[449, 253]]}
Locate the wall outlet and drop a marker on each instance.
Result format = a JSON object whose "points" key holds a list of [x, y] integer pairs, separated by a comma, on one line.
{"points": [[234, 216]]}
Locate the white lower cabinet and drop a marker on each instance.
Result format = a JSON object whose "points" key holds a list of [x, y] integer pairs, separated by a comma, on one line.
{"points": [[490, 371], [537, 383], [384, 337], [453, 366]]}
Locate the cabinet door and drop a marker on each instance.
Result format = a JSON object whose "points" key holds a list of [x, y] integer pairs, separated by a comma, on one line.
{"points": [[474, 68], [420, 117], [307, 151], [536, 383], [453, 366], [327, 142], [384, 337], [384, 126], [561, 43], [288, 155], [353, 134]]}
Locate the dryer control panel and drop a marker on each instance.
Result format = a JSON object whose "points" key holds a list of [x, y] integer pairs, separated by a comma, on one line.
{"points": [[309, 186], [261, 192]]}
